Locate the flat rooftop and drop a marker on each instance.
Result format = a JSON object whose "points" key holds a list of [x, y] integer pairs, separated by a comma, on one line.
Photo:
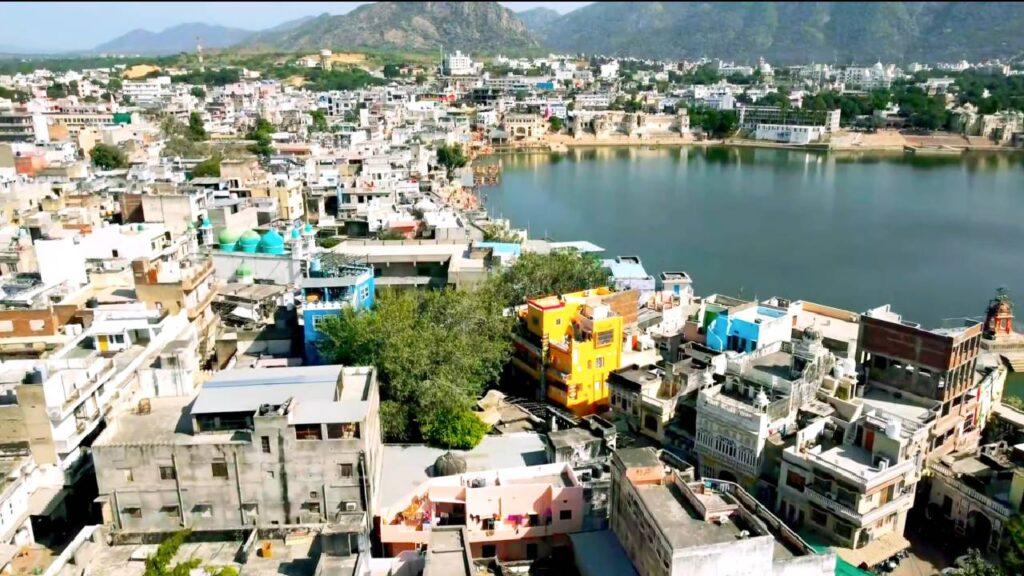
{"points": [[167, 422], [906, 408], [775, 364], [409, 465], [680, 522]]}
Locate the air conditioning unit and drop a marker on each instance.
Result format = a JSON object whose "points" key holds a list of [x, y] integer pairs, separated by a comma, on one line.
{"points": [[351, 507]]}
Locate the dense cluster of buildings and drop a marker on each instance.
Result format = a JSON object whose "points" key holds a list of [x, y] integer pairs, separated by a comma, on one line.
{"points": [[160, 362]]}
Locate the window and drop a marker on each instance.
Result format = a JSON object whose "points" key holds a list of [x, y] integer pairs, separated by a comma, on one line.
{"points": [[605, 338], [795, 481], [203, 510], [36, 325], [534, 520], [219, 469], [819, 517], [343, 431], [843, 530], [167, 473], [126, 474], [311, 507], [345, 470], [651, 423], [313, 495], [170, 511], [531, 551], [308, 432], [265, 443], [600, 362], [565, 514], [364, 292], [488, 551], [6, 326], [317, 320], [132, 512], [487, 524]]}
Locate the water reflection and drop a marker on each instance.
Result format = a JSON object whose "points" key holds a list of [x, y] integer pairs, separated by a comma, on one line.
{"points": [[931, 235]]}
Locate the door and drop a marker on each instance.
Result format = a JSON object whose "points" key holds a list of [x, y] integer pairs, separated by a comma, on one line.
{"points": [[869, 439], [104, 345]]}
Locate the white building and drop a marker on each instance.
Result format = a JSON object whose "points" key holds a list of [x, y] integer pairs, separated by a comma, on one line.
{"points": [[458, 64], [610, 70], [147, 91], [788, 133]]}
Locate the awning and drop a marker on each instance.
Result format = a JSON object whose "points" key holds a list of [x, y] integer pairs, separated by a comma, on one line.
{"points": [[875, 552]]}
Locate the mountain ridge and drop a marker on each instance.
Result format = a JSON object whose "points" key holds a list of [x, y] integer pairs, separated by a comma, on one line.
{"points": [[419, 26]]}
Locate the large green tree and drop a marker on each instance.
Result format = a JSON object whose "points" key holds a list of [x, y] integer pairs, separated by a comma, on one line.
{"points": [[435, 351], [451, 157], [196, 129], [262, 134], [534, 275], [108, 157]]}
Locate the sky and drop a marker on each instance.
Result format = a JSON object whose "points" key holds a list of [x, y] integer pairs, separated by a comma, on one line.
{"points": [[61, 26]]}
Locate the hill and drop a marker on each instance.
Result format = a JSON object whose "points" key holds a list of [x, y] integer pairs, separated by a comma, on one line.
{"points": [[414, 26], [539, 21], [792, 31], [180, 38]]}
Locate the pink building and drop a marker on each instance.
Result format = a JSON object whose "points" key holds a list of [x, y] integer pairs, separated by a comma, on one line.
{"points": [[513, 513]]}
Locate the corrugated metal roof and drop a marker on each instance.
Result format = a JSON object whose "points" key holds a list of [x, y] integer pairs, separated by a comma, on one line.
{"points": [[245, 390]]}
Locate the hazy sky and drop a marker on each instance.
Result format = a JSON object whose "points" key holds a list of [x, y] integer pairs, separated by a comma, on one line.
{"points": [[55, 26]]}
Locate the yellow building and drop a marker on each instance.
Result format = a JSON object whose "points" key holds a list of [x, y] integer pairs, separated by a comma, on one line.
{"points": [[568, 344]]}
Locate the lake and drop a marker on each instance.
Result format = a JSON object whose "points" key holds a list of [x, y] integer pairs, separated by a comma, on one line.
{"points": [[932, 236]]}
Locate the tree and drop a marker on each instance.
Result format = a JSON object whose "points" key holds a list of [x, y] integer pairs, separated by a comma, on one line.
{"points": [[392, 71], [108, 157], [451, 424], [496, 233], [976, 565], [198, 92], [208, 168], [451, 157], [1012, 550], [435, 351], [556, 124], [196, 130], [262, 134], [319, 120], [114, 85], [56, 90], [534, 275]]}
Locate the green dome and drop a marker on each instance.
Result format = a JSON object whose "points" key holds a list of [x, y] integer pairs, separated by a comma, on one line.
{"points": [[244, 269], [248, 241], [271, 243], [227, 239]]}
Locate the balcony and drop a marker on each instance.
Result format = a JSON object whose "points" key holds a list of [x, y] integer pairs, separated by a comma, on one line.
{"points": [[903, 500], [196, 275], [984, 500]]}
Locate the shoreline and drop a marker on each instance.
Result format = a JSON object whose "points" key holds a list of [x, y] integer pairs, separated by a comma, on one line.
{"points": [[890, 144]]}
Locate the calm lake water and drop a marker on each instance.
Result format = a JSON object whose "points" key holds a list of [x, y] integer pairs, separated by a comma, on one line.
{"points": [[934, 237]]}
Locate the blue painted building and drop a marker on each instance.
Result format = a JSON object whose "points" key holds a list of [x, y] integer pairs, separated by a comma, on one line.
{"points": [[746, 328], [325, 293]]}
